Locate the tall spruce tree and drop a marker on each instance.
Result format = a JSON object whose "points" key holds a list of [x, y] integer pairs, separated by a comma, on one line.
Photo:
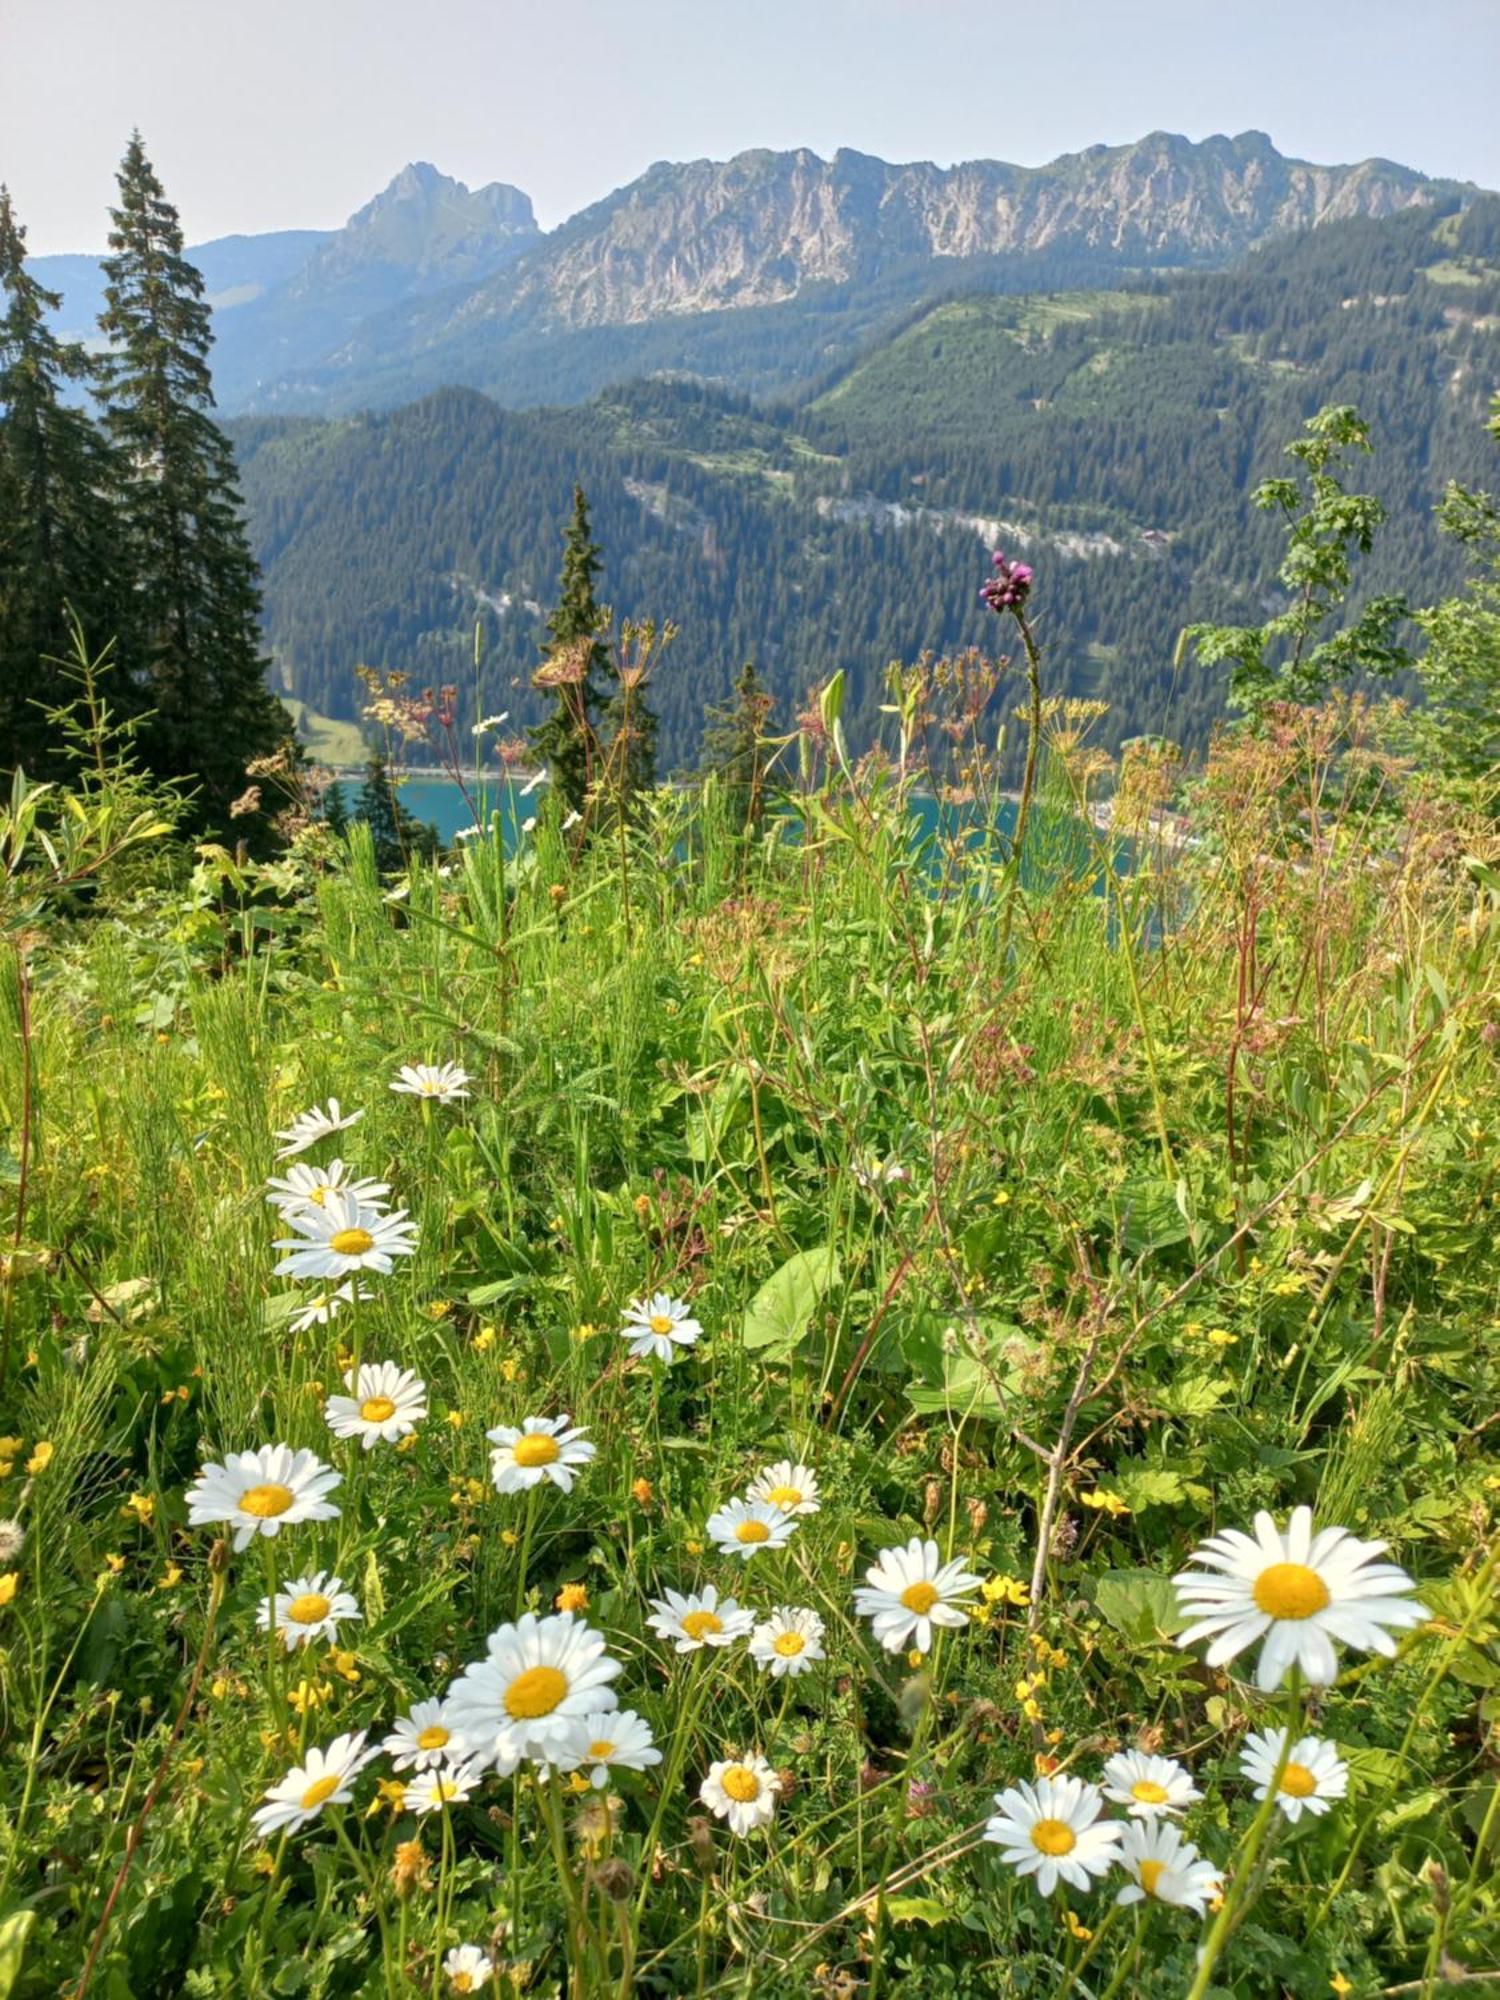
{"points": [[194, 624], [733, 747], [397, 835], [56, 551], [576, 660]]}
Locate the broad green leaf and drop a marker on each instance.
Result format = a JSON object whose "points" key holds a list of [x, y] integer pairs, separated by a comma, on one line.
{"points": [[782, 1310], [915, 1910], [1139, 1603], [13, 1935]]}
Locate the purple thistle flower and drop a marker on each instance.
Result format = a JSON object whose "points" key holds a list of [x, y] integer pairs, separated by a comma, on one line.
{"points": [[1008, 588]]}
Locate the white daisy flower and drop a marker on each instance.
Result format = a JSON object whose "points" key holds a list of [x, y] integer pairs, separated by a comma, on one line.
{"points": [[543, 1448], [302, 1187], [792, 1488], [659, 1325], [789, 1641], [1052, 1830], [1165, 1868], [1301, 1591], [311, 1607], [326, 1305], [741, 1791], [607, 1738], [745, 1527], [1149, 1786], [1314, 1777], [540, 1676], [344, 1235], [308, 1127], [263, 1491], [444, 1083], [326, 1779], [468, 1969], [388, 1403], [911, 1590], [425, 1737], [448, 1785], [699, 1620]]}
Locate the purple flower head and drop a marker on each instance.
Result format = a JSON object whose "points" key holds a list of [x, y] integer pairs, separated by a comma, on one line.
{"points": [[1007, 589]]}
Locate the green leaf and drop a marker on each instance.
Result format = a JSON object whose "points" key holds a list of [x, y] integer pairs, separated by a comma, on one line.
{"points": [[915, 1910], [1148, 1486], [952, 1377], [14, 1932], [782, 1310], [1139, 1603]]}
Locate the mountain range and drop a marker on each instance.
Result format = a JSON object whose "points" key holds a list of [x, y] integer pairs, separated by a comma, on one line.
{"points": [[763, 271]]}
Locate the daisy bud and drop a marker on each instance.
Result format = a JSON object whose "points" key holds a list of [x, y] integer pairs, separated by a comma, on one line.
{"points": [[218, 1558], [701, 1840], [932, 1502]]}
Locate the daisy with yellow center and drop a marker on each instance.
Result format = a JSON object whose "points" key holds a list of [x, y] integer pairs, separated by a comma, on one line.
{"points": [[1165, 1868], [263, 1491], [468, 1969], [308, 1127], [325, 1305], [523, 1700], [742, 1791], [342, 1236], [443, 1787], [1314, 1776], [326, 1778], [424, 1738], [788, 1643], [700, 1619], [544, 1448], [1053, 1832], [1300, 1591], [437, 1083], [385, 1404], [911, 1591], [659, 1326], [1148, 1786], [609, 1739], [303, 1187], [746, 1528], [793, 1488], [310, 1607]]}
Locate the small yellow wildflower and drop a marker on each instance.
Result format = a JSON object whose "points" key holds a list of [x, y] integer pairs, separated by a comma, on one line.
{"points": [[12, 1447], [914, 1658], [264, 1862], [484, 1340], [142, 1506], [171, 1576], [1001, 1197], [40, 1459], [510, 1368], [116, 1564], [218, 1687], [693, 1548], [572, 1597], [510, 1538], [309, 1695], [1342, 1986], [643, 1206], [8, 1584], [1005, 1590], [343, 1664], [1032, 1710], [641, 1492], [1221, 1337], [586, 1331], [456, 1419], [1104, 1501], [1075, 1929]]}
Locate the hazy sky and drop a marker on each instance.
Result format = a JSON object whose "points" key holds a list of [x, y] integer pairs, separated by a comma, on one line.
{"points": [[268, 114]]}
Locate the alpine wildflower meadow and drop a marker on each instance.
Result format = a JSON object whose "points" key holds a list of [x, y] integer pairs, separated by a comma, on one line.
{"points": [[893, 1396]]}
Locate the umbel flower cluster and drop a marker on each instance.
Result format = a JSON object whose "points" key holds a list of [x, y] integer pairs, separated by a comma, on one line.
{"points": [[545, 1696]]}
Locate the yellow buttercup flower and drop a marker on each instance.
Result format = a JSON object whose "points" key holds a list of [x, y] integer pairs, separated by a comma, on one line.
{"points": [[40, 1459], [8, 1584], [142, 1506], [484, 1340], [1103, 1501]]}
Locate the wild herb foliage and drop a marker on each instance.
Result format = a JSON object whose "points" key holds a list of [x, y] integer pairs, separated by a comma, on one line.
{"points": [[1061, 1213]]}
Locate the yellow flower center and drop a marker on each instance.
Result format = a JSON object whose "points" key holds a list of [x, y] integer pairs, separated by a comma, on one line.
{"points": [[444, 1789], [1053, 1836], [535, 1449], [319, 1790], [1149, 1793], [433, 1737], [351, 1242], [752, 1531], [376, 1409], [535, 1692], [463, 1982], [661, 1323], [789, 1644], [1151, 1874], [1290, 1590], [1298, 1782], [602, 1747], [318, 1196], [698, 1624], [309, 1608], [266, 1502], [741, 1784], [785, 1496], [920, 1597]]}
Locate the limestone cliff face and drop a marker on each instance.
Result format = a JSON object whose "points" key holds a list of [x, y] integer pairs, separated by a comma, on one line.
{"points": [[755, 230]]}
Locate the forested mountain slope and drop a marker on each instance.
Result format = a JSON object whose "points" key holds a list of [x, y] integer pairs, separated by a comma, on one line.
{"points": [[1115, 437]]}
